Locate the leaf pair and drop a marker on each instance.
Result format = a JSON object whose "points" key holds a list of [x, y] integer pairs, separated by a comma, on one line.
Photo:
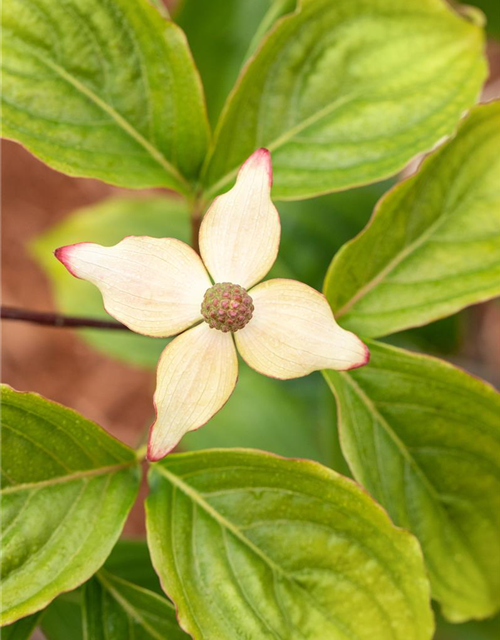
{"points": [[342, 93], [244, 542]]}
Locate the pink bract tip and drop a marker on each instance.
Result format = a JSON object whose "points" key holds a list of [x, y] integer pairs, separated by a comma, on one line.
{"points": [[260, 158], [365, 360], [63, 254]]}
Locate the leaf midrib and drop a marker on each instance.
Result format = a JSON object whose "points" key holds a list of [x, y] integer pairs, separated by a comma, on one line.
{"points": [[78, 475], [220, 519]]}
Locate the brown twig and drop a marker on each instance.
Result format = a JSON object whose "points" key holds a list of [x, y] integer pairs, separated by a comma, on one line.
{"points": [[50, 319]]}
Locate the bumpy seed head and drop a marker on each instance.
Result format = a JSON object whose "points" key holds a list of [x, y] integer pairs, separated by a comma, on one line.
{"points": [[227, 307]]}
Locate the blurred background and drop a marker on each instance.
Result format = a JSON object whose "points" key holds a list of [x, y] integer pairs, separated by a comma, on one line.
{"points": [[109, 376]]}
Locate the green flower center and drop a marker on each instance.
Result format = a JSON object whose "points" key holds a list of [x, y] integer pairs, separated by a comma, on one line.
{"points": [[227, 307]]}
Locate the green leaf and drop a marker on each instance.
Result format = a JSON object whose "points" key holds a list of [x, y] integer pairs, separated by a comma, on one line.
{"points": [[433, 245], [424, 439], [63, 617], [442, 337], [345, 93], [311, 230], [490, 9], [67, 487], [483, 630], [130, 560], [22, 629], [103, 89], [277, 9], [249, 545], [107, 223], [115, 609]]}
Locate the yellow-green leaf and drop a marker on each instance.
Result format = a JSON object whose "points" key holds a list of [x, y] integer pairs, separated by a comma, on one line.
{"points": [[424, 439], [103, 89], [249, 545], [344, 93], [433, 244], [67, 487]]}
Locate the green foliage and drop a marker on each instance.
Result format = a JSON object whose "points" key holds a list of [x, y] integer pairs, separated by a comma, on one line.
{"points": [[129, 561], [491, 10], [107, 223], [291, 418], [115, 609], [433, 245], [255, 546], [345, 93], [312, 230], [424, 438], [67, 488], [247, 544], [277, 9], [22, 629], [103, 89], [219, 44], [62, 620], [483, 630]]}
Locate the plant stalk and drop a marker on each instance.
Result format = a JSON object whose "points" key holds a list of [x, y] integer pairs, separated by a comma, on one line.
{"points": [[50, 319]]}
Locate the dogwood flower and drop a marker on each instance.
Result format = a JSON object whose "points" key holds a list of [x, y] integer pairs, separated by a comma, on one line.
{"points": [[161, 287]]}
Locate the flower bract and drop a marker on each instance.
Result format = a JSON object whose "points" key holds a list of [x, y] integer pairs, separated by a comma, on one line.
{"points": [[214, 305]]}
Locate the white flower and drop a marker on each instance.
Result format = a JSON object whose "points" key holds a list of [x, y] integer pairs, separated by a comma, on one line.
{"points": [[156, 287]]}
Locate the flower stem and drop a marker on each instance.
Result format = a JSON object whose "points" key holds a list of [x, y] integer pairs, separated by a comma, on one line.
{"points": [[195, 230], [140, 453], [197, 209], [50, 319]]}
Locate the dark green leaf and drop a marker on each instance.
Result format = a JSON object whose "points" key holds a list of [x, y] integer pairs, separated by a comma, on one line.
{"points": [[291, 418], [131, 561], [483, 630], [22, 629], [62, 619], [311, 230], [115, 609], [220, 33], [491, 10]]}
